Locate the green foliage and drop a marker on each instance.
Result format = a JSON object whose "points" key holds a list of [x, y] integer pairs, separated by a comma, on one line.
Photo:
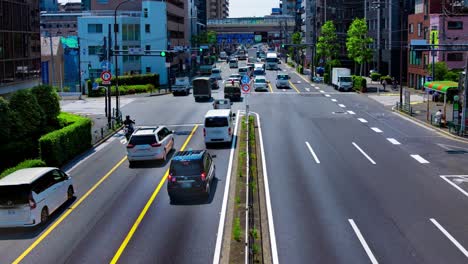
{"points": [[449, 76], [327, 45], [5, 120], [238, 200], [357, 42], [48, 100], [143, 79], [375, 76], [300, 69], [24, 165], [254, 233], [386, 78], [255, 249], [124, 90], [359, 83], [296, 38], [206, 37], [62, 145], [441, 70], [326, 77], [236, 231], [28, 117]]}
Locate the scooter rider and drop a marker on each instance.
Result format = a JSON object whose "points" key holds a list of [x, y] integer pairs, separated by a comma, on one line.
{"points": [[128, 121]]}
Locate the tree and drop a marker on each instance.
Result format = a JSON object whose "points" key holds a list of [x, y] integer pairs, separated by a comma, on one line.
{"points": [[296, 39], [28, 116], [357, 43], [48, 100], [5, 120], [441, 70], [327, 44]]}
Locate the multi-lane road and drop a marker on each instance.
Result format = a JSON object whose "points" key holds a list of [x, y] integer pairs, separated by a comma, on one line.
{"points": [[350, 182]]}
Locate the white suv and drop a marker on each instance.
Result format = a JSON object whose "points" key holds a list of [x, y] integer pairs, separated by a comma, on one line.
{"points": [[260, 83], [150, 143], [29, 196]]}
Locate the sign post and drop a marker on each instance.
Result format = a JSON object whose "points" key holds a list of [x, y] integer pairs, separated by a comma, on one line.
{"points": [[245, 87], [106, 77]]}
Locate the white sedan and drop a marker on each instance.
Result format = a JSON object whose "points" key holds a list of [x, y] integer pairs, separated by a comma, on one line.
{"points": [[260, 83]]}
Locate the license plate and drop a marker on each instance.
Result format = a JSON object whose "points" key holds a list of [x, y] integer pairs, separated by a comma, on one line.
{"points": [[186, 185], [11, 212]]}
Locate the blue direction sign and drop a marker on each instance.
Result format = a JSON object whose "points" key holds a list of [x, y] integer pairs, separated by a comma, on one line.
{"points": [[245, 79], [105, 65]]}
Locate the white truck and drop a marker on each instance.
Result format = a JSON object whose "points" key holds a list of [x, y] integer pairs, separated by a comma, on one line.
{"points": [[181, 86], [341, 79], [252, 55], [272, 61]]}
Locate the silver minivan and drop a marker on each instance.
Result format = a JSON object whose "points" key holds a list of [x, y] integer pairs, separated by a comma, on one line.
{"points": [[219, 126], [29, 196]]}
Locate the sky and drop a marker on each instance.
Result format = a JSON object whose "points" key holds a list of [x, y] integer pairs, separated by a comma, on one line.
{"points": [[239, 8]]}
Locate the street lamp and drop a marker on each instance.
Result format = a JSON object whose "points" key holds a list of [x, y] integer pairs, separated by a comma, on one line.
{"points": [[116, 30]]}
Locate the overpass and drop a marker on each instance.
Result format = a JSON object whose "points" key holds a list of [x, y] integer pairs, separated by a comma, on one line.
{"points": [[244, 30]]}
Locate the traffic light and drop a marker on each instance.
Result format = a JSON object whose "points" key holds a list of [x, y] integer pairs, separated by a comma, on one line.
{"points": [[282, 46], [201, 49], [163, 54]]}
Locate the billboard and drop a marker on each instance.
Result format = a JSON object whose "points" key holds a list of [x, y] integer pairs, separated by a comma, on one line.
{"points": [[45, 72], [276, 10]]}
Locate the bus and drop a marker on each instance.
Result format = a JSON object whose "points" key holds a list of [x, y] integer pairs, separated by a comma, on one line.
{"points": [[272, 61]]}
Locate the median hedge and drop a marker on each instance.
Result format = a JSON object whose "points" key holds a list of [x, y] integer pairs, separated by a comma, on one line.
{"points": [[143, 79], [24, 165], [124, 89], [60, 146]]}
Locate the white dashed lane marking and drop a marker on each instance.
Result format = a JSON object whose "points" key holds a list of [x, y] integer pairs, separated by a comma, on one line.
{"points": [[362, 120], [376, 129], [419, 159], [393, 141]]}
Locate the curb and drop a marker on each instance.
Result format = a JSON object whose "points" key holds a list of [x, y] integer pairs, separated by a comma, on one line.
{"points": [[439, 130], [159, 94], [107, 137]]}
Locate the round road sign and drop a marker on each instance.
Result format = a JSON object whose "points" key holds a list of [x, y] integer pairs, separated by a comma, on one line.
{"points": [[106, 76], [245, 88]]}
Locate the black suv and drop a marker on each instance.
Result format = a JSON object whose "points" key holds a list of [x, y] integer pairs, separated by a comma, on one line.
{"points": [[190, 173]]}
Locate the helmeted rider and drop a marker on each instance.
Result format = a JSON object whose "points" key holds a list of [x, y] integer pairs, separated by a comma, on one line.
{"points": [[128, 122]]}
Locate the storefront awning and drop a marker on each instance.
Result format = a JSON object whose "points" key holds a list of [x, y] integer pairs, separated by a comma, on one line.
{"points": [[441, 86]]}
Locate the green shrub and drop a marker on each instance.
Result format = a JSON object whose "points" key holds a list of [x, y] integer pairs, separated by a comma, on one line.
{"points": [[359, 83], [24, 165], [236, 231], [62, 145], [124, 90], [28, 117], [5, 120], [326, 78], [300, 69], [375, 76], [387, 78], [452, 76], [48, 100]]}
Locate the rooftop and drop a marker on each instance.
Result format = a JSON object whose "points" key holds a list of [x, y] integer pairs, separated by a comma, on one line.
{"points": [[24, 176]]}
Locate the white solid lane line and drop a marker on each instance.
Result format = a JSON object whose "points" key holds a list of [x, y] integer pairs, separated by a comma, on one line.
{"points": [[318, 88], [334, 100], [450, 237], [454, 185], [363, 242], [327, 95], [351, 112], [376, 129], [313, 153], [363, 153], [419, 158], [342, 105], [362, 120], [219, 238], [307, 89], [393, 141]]}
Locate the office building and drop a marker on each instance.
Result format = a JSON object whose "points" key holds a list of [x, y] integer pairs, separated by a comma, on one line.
{"points": [[60, 23], [48, 5], [216, 9], [20, 48], [138, 31]]}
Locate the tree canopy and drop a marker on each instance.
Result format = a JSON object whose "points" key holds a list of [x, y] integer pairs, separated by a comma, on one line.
{"points": [[357, 42]]}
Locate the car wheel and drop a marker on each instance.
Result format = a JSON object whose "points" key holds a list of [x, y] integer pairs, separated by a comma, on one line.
{"points": [[131, 164], [44, 215], [70, 193]]}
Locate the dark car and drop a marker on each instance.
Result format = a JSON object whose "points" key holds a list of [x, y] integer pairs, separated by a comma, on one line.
{"points": [[190, 174], [214, 83], [232, 92]]}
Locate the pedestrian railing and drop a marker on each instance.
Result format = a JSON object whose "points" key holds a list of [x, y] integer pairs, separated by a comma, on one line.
{"points": [[406, 108]]}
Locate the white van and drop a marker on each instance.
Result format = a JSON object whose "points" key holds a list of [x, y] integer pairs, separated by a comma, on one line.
{"points": [[29, 196], [219, 126]]}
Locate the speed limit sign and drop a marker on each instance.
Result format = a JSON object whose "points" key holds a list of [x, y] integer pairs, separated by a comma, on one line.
{"points": [[245, 88], [106, 77]]}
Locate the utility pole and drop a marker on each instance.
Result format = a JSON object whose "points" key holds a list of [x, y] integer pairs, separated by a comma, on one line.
{"points": [[378, 39], [52, 60], [433, 53], [79, 66], [109, 88], [465, 100], [402, 26]]}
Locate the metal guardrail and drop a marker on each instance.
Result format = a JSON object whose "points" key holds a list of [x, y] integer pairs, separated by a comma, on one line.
{"points": [[406, 108]]}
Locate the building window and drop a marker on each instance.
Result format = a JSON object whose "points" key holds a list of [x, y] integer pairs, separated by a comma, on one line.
{"points": [[148, 69], [103, 2], [131, 32], [147, 28], [94, 50], [148, 47], [145, 12], [411, 28], [434, 28], [415, 57], [418, 6], [419, 29], [455, 56], [455, 25], [94, 28]]}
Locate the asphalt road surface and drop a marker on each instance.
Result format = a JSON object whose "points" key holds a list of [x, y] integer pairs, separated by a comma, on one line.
{"points": [[350, 182]]}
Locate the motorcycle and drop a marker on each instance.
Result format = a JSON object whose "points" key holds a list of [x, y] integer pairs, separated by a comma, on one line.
{"points": [[128, 130]]}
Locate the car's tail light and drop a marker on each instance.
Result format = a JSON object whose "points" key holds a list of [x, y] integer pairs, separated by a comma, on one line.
{"points": [[32, 203], [203, 176], [129, 146], [229, 131], [155, 145], [171, 178], [204, 132]]}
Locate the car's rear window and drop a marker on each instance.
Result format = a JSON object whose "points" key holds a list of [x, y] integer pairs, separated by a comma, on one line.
{"points": [[215, 71], [14, 194], [282, 77], [242, 70], [216, 122], [185, 167], [260, 80], [222, 102], [142, 140]]}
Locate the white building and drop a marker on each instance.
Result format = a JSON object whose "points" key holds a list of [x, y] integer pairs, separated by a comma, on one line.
{"points": [[138, 30]]}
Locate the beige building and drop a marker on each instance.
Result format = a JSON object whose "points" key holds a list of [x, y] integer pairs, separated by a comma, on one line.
{"points": [[217, 9], [55, 69], [178, 24]]}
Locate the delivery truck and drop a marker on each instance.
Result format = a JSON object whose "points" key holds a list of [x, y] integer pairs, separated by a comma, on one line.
{"points": [[341, 79]]}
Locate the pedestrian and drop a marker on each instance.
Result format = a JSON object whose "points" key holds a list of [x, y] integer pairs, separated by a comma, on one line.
{"points": [[384, 83], [394, 83], [438, 117]]}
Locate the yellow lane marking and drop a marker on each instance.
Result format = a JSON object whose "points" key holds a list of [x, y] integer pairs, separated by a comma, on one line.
{"points": [[303, 78], [132, 231], [67, 213], [294, 86], [269, 86]]}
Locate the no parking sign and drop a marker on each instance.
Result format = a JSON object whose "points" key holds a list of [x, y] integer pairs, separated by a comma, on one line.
{"points": [[245, 88]]}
